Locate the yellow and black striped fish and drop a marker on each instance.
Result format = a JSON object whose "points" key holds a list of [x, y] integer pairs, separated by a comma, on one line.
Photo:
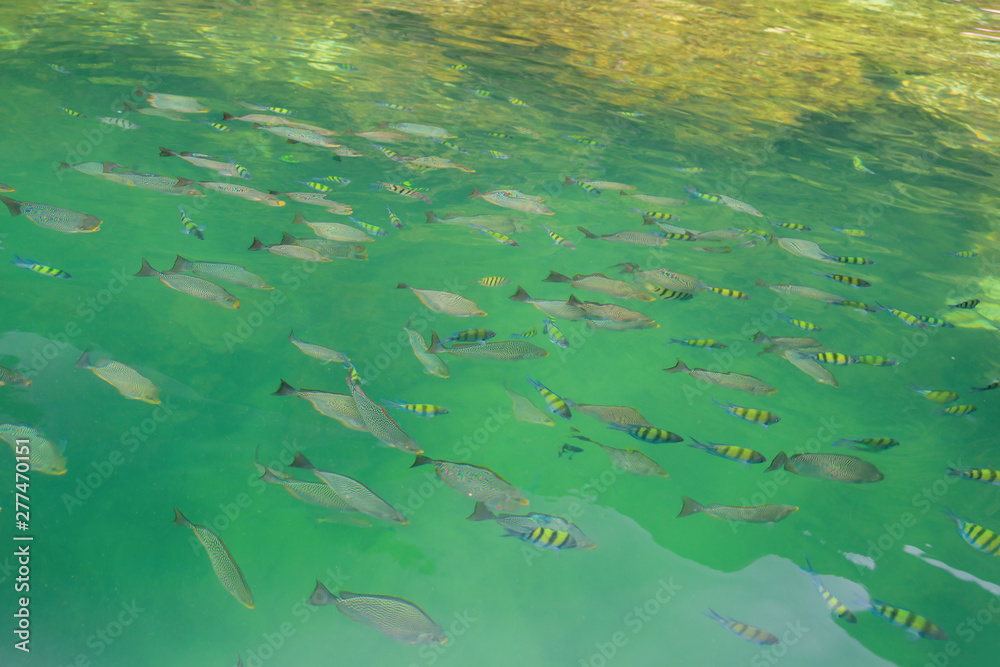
{"points": [[39, 268], [987, 475], [549, 538], [422, 409], [731, 452], [833, 603], [493, 281], [959, 410], [762, 417], [835, 358], [912, 320], [876, 360], [936, 395], [469, 336], [648, 434], [979, 537], [935, 321], [847, 280], [801, 324], [667, 294], [744, 631], [868, 444], [700, 342], [968, 304], [556, 404], [854, 260], [791, 225], [731, 293], [401, 190], [903, 618], [991, 385]]}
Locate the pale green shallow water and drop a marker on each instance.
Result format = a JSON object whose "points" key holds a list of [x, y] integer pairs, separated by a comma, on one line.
{"points": [[105, 551]]}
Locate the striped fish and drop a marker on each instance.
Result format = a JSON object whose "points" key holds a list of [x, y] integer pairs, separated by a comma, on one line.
{"points": [[648, 434], [446, 303], [716, 198], [744, 631], [525, 411], [987, 475], [557, 405], [979, 537], [128, 381], [44, 270], [867, 444], [544, 530], [380, 424], [52, 217], [801, 324], [341, 407], [225, 567], [731, 452], [43, 455], [313, 493], [762, 417], [612, 414], [837, 467], [493, 281], [634, 461], [422, 409], [833, 603], [401, 190], [192, 285], [903, 618], [753, 514], [359, 496], [477, 482], [395, 618]]}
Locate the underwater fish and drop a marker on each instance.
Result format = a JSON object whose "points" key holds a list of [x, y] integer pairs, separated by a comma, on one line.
{"points": [[500, 350], [837, 467], [43, 455], [731, 452], [290, 247], [51, 217], [504, 198], [525, 411], [341, 407], [980, 538], [762, 417], [833, 603], [354, 492], [479, 483], [867, 444], [41, 269], [917, 625], [753, 514], [446, 303], [542, 530], [225, 567], [394, 617], [128, 381], [746, 632], [633, 461], [9, 376], [193, 285]]}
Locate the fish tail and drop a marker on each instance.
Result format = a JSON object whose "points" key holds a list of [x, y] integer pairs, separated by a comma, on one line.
{"points": [[778, 462], [20, 261], [691, 191], [146, 269], [13, 205], [691, 506], [520, 295], [948, 511], [166, 152], [432, 217], [321, 595], [698, 445], [679, 367], [285, 390], [421, 460], [300, 461], [587, 233], [481, 513], [180, 519], [84, 360], [555, 277], [257, 245], [270, 477], [629, 267], [181, 264], [618, 427], [760, 283], [436, 346], [393, 404], [475, 192]]}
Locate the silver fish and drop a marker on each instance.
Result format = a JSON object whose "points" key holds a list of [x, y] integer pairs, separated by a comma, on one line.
{"points": [[500, 350], [354, 492], [481, 484], [341, 407], [193, 285], [446, 303], [230, 273], [128, 381], [747, 383], [838, 467], [752, 514], [52, 217], [394, 617]]}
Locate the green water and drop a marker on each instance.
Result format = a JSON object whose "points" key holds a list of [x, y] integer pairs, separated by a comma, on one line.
{"points": [[774, 117]]}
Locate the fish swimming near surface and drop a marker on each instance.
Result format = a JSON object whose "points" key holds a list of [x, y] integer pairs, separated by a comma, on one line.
{"points": [[524, 410], [833, 603], [504, 199], [753, 514], [41, 269], [289, 247], [43, 454], [354, 492], [634, 461], [9, 376], [394, 617], [542, 530], [432, 363], [915, 624], [977, 536], [324, 354], [128, 381], [571, 309], [341, 407], [223, 564], [499, 350], [744, 631], [192, 285], [476, 482], [380, 424], [230, 273], [837, 467], [446, 303], [731, 452], [52, 217]]}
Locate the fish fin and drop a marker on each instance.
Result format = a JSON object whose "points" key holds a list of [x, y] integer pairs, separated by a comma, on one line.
{"points": [[557, 278], [166, 152], [587, 233], [520, 295], [285, 390], [481, 513], [84, 360], [475, 192], [421, 460], [181, 264], [181, 182], [679, 367], [778, 462], [573, 301], [321, 595], [403, 286], [300, 461], [690, 506], [13, 205], [435, 347], [147, 270], [257, 245], [300, 219], [180, 519], [287, 239]]}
